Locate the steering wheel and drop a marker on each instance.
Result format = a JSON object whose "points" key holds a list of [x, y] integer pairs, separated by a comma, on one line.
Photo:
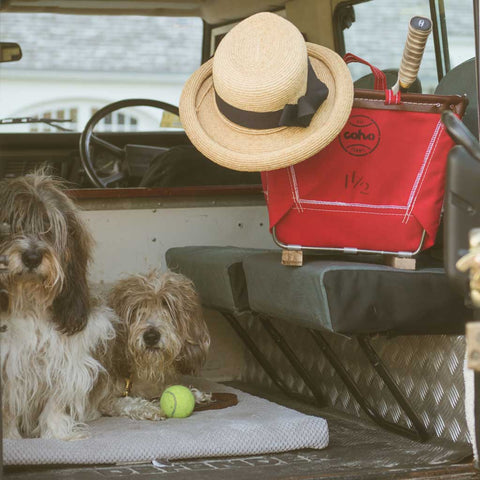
{"points": [[89, 138]]}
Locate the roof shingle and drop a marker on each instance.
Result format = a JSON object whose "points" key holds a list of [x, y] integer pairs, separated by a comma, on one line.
{"points": [[130, 44]]}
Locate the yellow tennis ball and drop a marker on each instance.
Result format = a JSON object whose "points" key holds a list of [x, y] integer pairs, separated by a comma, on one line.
{"points": [[177, 401]]}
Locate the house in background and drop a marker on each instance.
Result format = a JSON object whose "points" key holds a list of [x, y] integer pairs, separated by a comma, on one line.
{"points": [[73, 65]]}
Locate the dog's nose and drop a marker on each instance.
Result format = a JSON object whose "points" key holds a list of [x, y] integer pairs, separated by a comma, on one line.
{"points": [[32, 258], [151, 337]]}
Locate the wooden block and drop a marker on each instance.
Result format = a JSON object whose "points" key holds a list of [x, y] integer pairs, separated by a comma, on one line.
{"points": [[404, 263], [472, 336], [292, 258]]}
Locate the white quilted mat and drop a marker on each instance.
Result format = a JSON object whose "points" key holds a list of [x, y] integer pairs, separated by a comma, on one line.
{"points": [[253, 426]]}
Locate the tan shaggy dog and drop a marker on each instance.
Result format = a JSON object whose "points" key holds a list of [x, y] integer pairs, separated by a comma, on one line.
{"points": [[160, 336]]}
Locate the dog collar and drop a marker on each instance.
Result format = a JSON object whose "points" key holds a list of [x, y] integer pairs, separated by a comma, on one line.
{"points": [[128, 387]]}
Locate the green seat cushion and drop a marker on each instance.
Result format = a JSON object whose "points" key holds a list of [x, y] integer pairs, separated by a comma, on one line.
{"points": [[217, 273], [351, 297]]}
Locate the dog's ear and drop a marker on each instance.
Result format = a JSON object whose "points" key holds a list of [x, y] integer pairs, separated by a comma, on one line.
{"points": [[4, 299], [184, 303], [120, 364], [71, 307], [195, 348]]}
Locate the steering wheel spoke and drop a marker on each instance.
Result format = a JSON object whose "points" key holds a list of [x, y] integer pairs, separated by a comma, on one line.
{"points": [[88, 138], [115, 177], [117, 151]]}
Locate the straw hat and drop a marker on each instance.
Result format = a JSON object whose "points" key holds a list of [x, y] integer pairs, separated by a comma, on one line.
{"points": [[267, 99]]}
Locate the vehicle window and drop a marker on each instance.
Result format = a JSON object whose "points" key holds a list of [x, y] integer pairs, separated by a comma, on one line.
{"points": [[379, 32], [460, 31], [73, 65]]}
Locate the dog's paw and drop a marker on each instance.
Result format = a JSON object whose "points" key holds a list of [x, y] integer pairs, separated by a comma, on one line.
{"points": [[12, 434], [201, 398], [66, 430], [78, 434], [151, 411], [10, 429], [137, 409]]}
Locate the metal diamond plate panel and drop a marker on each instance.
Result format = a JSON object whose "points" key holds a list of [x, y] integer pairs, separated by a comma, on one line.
{"points": [[428, 369]]}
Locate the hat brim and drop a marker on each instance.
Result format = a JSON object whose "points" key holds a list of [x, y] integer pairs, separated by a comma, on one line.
{"points": [[244, 149]]}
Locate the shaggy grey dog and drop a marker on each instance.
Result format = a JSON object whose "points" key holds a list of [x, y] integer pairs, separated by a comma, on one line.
{"points": [[160, 335], [52, 332]]}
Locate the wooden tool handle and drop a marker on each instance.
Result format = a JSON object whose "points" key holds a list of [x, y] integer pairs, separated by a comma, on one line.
{"points": [[418, 30]]}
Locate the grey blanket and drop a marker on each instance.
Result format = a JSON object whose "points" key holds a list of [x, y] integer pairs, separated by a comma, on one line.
{"points": [[253, 426]]}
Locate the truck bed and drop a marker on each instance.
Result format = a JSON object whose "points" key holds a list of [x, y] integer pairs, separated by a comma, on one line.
{"points": [[358, 450]]}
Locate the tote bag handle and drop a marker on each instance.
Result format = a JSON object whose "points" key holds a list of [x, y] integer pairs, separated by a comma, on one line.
{"points": [[379, 77], [380, 80]]}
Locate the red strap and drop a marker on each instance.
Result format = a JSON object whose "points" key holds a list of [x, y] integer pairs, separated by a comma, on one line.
{"points": [[391, 98], [379, 76]]}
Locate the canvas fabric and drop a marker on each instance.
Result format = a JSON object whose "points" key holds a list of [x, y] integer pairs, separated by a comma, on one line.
{"points": [[378, 186]]}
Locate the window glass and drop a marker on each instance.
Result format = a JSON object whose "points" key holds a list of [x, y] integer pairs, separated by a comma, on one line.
{"points": [[73, 65], [460, 30], [378, 35]]}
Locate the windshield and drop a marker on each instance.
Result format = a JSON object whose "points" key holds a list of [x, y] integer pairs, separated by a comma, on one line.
{"points": [[380, 28], [73, 65]]}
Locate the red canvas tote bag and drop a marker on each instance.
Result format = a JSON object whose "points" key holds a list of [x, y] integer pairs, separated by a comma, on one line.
{"points": [[378, 186]]}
